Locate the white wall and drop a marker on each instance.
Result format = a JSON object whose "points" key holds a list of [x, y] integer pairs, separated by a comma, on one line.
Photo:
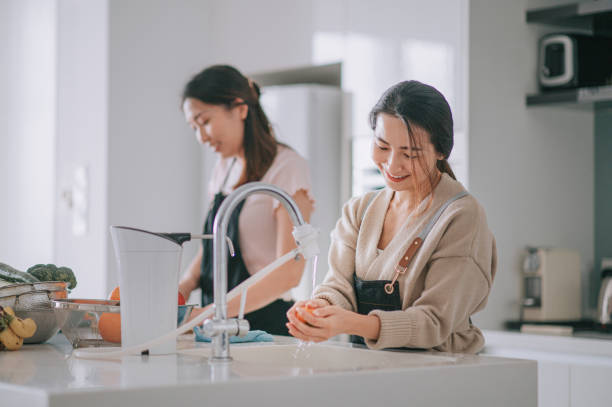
{"points": [[154, 174], [261, 35], [82, 114], [121, 69], [532, 169], [27, 131]]}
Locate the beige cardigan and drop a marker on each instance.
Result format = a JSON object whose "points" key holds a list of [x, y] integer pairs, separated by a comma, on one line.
{"points": [[447, 281]]}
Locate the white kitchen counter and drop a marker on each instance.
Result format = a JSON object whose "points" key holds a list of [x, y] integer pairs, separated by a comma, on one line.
{"points": [[597, 346], [47, 375]]}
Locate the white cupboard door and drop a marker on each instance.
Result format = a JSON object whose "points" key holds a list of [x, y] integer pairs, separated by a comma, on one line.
{"points": [[590, 386], [553, 384]]}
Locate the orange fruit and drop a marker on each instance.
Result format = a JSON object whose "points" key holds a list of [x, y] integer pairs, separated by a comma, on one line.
{"points": [[114, 295], [109, 326], [306, 308]]}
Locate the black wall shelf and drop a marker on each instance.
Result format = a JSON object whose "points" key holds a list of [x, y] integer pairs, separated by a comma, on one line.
{"points": [[599, 96], [595, 16]]}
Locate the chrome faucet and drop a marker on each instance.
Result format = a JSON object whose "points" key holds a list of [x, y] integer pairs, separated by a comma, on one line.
{"points": [[220, 328]]}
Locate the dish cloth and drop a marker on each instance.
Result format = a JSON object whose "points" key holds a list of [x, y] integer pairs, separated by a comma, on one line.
{"points": [[251, 336]]}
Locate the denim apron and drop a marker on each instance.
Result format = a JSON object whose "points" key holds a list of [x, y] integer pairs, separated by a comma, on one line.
{"points": [[270, 318], [384, 295]]}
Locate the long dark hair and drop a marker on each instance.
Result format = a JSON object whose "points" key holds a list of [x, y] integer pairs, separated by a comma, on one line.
{"points": [[222, 85], [423, 106]]}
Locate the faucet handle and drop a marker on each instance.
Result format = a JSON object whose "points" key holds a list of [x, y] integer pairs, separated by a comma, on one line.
{"points": [[233, 327], [243, 327]]}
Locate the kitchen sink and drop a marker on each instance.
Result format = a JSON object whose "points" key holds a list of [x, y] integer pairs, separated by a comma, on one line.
{"points": [[322, 357]]}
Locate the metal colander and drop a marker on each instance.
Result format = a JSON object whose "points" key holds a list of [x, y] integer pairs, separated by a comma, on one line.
{"points": [[79, 319], [33, 300]]}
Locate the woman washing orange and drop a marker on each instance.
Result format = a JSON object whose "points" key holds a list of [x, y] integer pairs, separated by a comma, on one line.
{"points": [[410, 264]]}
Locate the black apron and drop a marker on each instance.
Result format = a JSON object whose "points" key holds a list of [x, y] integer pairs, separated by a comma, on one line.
{"points": [[371, 295], [272, 317]]}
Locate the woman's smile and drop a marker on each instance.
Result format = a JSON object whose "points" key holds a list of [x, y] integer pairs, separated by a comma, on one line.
{"points": [[395, 178]]}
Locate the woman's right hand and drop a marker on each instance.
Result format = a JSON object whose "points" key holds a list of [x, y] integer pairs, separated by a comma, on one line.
{"points": [[314, 303], [293, 314]]}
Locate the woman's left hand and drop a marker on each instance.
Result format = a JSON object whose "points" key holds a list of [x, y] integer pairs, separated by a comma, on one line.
{"points": [[321, 323]]}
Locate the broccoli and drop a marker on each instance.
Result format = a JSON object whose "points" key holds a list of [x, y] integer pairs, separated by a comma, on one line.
{"points": [[42, 272], [66, 274], [50, 272]]}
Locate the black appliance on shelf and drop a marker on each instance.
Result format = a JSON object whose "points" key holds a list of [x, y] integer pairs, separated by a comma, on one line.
{"points": [[574, 60]]}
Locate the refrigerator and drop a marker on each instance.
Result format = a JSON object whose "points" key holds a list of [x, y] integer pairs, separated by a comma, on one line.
{"points": [[314, 120]]}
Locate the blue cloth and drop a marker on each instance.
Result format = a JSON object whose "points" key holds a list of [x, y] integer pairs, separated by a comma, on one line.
{"points": [[251, 336]]}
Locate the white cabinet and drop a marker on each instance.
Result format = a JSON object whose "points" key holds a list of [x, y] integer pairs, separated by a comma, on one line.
{"points": [[590, 386], [553, 376], [553, 384], [572, 372]]}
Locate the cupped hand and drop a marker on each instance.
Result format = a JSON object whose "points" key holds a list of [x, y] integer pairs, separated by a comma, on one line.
{"points": [[312, 304], [319, 325]]}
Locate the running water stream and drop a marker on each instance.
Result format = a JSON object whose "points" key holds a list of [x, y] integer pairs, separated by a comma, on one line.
{"points": [[301, 351]]}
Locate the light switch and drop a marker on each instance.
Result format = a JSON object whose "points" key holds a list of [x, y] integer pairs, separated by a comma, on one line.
{"points": [[80, 205]]}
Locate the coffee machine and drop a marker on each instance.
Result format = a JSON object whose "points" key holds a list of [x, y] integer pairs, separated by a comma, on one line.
{"points": [[551, 285]]}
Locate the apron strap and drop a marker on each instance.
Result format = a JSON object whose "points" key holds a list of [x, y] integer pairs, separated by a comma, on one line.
{"points": [[418, 241], [438, 213]]}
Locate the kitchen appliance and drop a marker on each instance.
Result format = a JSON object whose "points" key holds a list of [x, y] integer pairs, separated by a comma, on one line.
{"points": [[574, 60], [604, 305], [551, 285], [149, 265]]}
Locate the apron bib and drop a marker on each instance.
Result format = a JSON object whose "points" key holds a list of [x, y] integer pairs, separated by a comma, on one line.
{"points": [[371, 295]]}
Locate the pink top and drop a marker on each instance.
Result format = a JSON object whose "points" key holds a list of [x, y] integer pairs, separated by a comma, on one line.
{"points": [[257, 223]]}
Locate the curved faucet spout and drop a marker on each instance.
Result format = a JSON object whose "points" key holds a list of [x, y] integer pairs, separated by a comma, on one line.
{"points": [[220, 226]]}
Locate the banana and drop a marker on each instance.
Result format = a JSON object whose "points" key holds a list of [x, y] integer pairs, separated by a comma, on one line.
{"points": [[8, 338], [23, 328]]}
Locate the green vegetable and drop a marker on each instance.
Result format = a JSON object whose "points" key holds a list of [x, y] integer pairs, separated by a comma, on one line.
{"points": [[66, 274], [50, 272], [43, 272], [12, 275]]}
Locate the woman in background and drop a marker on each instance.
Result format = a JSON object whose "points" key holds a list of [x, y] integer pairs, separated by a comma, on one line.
{"points": [[410, 264], [222, 107]]}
